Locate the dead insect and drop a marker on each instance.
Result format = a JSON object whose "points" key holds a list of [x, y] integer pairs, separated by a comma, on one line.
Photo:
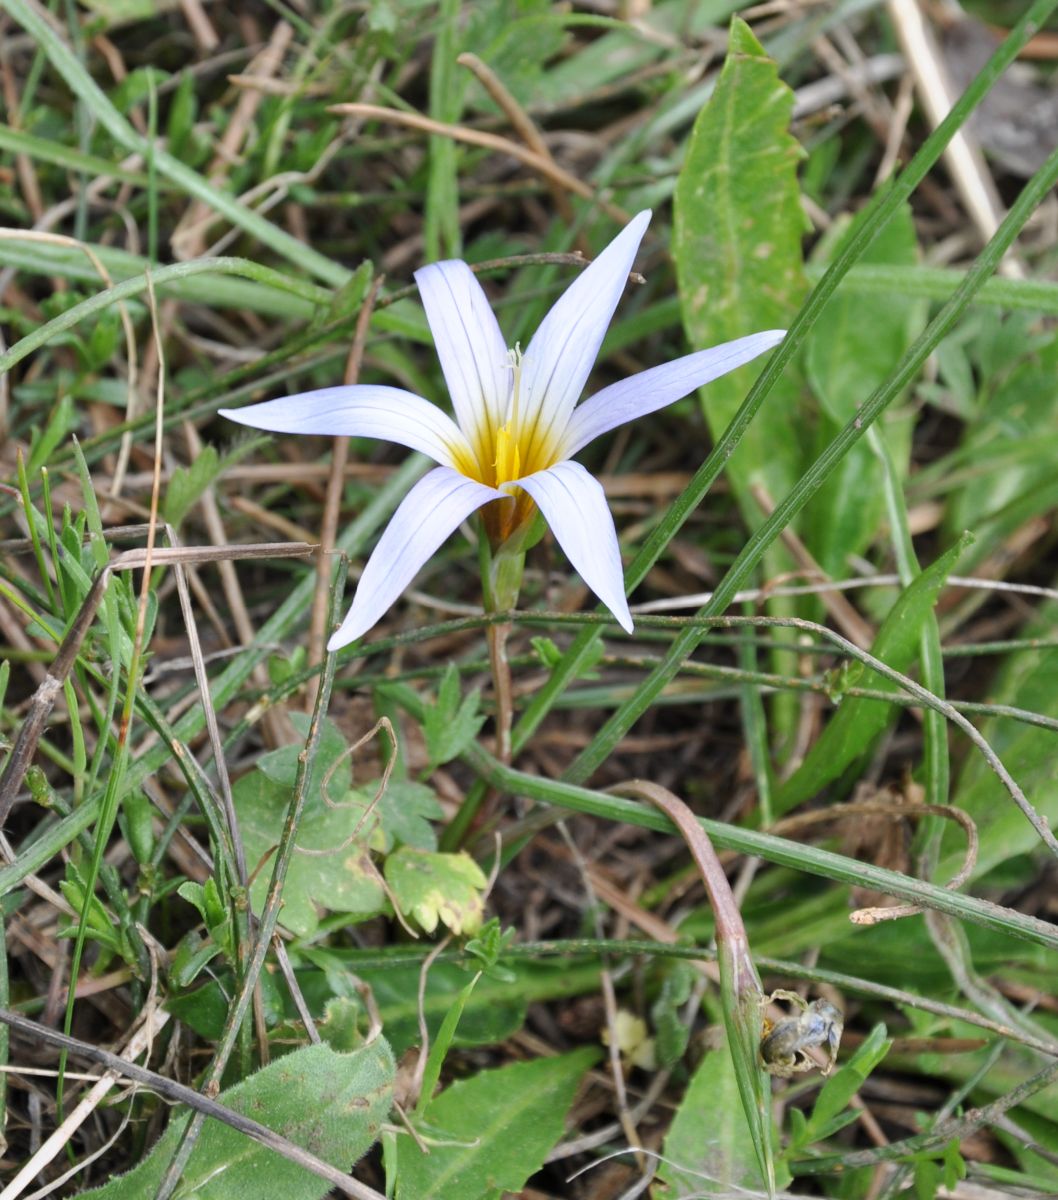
{"points": [[785, 1044]]}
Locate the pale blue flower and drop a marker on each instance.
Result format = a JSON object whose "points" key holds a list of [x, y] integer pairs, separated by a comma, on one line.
{"points": [[517, 426]]}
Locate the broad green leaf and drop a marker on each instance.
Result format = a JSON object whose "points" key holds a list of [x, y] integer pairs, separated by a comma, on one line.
{"points": [[858, 722], [406, 809], [401, 812], [497, 1128], [1028, 679], [327, 869], [708, 1149], [431, 887], [329, 1103], [738, 258], [850, 351]]}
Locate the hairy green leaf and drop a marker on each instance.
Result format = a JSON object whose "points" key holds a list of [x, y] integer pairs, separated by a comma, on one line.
{"points": [[330, 1103], [493, 1131]]}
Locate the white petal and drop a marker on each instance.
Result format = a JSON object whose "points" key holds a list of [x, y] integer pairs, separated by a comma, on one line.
{"points": [[653, 389], [469, 344], [435, 506], [563, 350], [362, 410], [573, 504]]}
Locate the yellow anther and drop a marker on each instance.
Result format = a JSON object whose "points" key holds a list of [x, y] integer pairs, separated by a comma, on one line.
{"points": [[508, 459]]}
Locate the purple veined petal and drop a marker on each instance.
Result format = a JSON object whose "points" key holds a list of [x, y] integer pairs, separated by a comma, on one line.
{"points": [[469, 344], [573, 504], [659, 386], [363, 410], [434, 507], [563, 350]]}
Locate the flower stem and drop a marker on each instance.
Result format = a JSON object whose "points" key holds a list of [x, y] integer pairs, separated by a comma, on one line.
{"points": [[501, 581], [501, 686]]}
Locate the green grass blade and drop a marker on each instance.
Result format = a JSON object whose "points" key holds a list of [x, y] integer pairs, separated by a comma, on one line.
{"points": [[97, 103]]}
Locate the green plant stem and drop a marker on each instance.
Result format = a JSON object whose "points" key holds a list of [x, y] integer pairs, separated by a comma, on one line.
{"points": [[595, 948], [270, 914], [795, 855]]}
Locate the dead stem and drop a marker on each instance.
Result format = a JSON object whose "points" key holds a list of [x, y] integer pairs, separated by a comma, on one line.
{"points": [[333, 502]]}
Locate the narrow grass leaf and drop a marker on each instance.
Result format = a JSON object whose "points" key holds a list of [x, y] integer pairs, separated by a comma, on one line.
{"points": [[850, 349], [442, 1044], [858, 721], [99, 105]]}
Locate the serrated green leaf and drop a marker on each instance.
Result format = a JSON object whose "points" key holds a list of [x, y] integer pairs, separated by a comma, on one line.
{"points": [[448, 726], [498, 1128], [406, 809], [858, 722], [329, 1103], [738, 260], [327, 869], [186, 484], [432, 887]]}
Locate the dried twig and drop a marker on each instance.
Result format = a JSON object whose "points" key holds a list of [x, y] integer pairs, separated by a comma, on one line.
{"points": [[523, 126], [335, 488], [154, 1021], [969, 173], [491, 141]]}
